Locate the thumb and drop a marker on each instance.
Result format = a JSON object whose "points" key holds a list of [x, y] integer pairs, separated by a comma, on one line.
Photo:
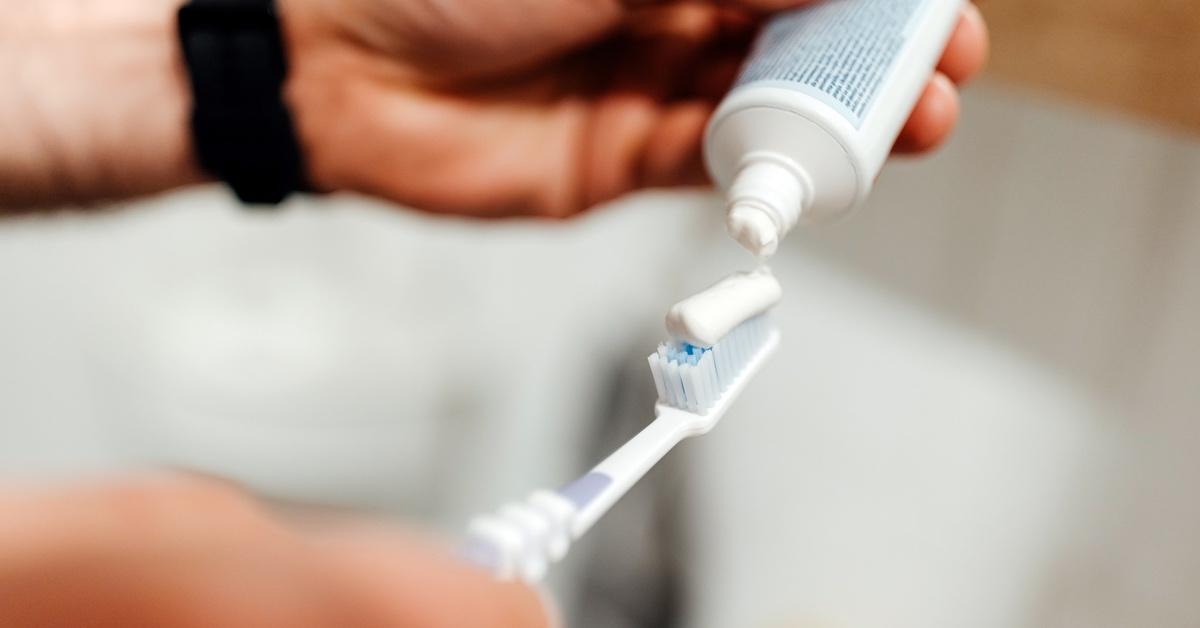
{"points": [[401, 579]]}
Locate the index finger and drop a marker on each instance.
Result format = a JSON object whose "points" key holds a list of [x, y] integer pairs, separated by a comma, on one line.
{"points": [[766, 6], [404, 580]]}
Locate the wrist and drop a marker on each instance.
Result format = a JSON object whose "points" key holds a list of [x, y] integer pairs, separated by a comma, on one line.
{"points": [[96, 105], [319, 90]]}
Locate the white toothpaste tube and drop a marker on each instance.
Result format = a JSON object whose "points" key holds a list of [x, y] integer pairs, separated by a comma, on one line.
{"points": [[817, 108]]}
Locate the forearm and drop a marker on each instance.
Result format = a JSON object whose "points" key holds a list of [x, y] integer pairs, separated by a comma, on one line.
{"points": [[94, 104]]}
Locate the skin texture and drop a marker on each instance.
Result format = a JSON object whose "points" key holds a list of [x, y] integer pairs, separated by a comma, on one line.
{"points": [[490, 109], [189, 552]]}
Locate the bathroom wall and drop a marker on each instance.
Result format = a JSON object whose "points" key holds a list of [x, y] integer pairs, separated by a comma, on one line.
{"points": [[1136, 57], [984, 414]]}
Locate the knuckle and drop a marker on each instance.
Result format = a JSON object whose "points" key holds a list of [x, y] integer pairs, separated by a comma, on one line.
{"points": [[210, 494], [176, 497]]}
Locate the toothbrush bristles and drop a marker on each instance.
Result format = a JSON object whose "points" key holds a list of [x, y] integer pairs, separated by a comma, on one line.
{"points": [[694, 378]]}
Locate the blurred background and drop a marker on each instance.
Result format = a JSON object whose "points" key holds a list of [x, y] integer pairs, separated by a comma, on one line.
{"points": [[986, 413]]}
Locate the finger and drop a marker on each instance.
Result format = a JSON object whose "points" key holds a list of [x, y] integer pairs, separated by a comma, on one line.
{"points": [[673, 153], [966, 53], [932, 119], [680, 51], [715, 73], [738, 23], [157, 551], [633, 145], [767, 6], [612, 139], [496, 39], [98, 513], [403, 580], [659, 50]]}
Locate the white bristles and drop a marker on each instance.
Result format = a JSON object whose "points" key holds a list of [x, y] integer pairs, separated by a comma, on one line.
{"points": [[693, 378]]}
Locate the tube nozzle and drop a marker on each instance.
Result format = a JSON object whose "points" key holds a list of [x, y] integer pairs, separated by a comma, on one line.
{"points": [[765, 201], [753, 228]]}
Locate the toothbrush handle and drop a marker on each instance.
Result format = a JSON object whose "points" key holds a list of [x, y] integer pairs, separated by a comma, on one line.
{"points": [[523, 538], [594, 493]]}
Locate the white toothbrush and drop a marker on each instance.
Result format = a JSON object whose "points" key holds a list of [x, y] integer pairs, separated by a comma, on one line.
{"points": [[696, 386]]}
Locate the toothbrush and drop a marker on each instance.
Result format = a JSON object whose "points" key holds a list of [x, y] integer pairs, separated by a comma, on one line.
{"points": [[696, 386]]}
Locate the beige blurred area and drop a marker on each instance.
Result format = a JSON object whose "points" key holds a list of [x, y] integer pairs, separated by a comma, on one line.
{"points": [[1136, 57], [986, 412]]}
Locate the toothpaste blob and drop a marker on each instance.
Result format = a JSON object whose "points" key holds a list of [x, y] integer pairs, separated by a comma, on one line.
{"points": [[704, 319]]}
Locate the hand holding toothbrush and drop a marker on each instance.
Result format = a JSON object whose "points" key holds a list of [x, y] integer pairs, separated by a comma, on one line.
{"points": [[187, 552]]}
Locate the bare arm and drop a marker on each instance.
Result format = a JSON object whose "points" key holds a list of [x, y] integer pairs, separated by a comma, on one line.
{"points": [[94, 105]]}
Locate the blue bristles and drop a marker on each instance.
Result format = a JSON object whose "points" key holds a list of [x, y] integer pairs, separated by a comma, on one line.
{"points": [[694, 378]]}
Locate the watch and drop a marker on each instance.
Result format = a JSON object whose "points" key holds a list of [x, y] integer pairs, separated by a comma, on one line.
{"points": [[241, 127]]}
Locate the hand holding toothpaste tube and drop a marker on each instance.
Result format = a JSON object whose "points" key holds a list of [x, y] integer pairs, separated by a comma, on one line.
{"points": [[547, 107], [477, 107]]}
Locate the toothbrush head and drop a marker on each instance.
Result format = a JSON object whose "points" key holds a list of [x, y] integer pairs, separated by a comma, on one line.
{"points": [[705, 381]]}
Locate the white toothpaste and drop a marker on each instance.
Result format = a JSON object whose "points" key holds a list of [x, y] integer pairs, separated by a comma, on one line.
{"points": [[704, 319]]}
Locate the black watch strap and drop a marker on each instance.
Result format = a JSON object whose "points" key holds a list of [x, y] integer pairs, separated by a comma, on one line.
{"points": [[241, 128]]}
